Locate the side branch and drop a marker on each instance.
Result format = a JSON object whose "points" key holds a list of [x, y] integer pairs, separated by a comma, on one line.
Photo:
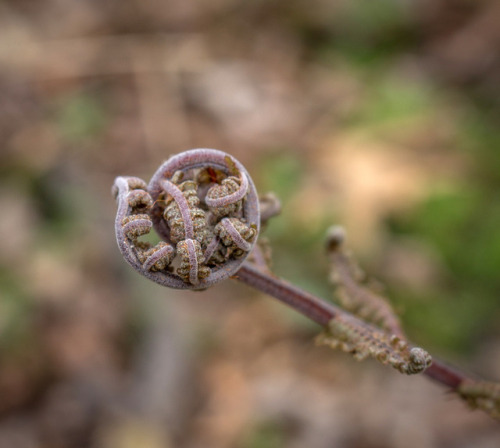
{"points": [[323, 312], [351, 294]]}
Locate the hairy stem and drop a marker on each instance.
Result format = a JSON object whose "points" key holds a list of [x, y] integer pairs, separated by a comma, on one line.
{"points": [[323, 312], [310, 306]]}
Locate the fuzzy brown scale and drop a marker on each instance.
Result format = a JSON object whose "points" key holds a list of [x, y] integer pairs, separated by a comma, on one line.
{"points": [[483, 395], [217, 258], [155, 258], [159, 257], [348, 335], [138, 223], [136, 183], [135, 226], [140, 200], [229, 239], [210, 175], [228, 186], [186, 265], [352, 295], [174, 219], [213, 252]]}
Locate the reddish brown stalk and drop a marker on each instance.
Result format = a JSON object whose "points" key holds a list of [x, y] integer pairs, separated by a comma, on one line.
{"points": [[306, 304], [323, 312]]}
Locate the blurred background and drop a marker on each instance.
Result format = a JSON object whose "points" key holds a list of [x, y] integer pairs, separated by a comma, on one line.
{"points": [[381, 116]]}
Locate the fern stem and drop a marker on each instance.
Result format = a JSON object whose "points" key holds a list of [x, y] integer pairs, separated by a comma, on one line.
{"points": [[323, 312]]}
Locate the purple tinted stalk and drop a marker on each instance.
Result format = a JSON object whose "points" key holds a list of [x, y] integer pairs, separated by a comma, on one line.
{"points": [[230, 198], [305, 303], [235, 235], [174, 191], [211, 248]]}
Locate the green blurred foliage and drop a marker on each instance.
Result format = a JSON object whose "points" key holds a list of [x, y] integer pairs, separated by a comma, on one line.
{"points": [[296, 247], [267, 434], [389, 101], [81, 117], [15, 316], [364, 35], [462, 224], [281, 172]]}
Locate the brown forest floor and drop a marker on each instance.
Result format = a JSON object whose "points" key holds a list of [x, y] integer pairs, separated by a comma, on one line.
{"points": [[352, 113]]}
